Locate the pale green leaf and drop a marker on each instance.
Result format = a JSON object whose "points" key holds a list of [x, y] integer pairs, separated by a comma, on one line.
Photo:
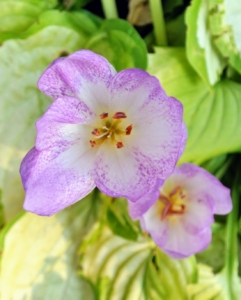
{"points": [[21, 64], [212, 116], [225, 26], [208, 286], [18, 15], [120, 43], [83, 22], [39, 258], [127, 270], [201, 52]]}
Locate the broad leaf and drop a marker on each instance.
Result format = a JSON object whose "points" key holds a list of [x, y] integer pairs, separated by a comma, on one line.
{"points": [[201, 52], [208, 286], [39, 258], [120, 43], [126, 270], [17, 15], [21, 64], [119, 220], [83, 22], [214, 254], [225, 26], [212, 116]]}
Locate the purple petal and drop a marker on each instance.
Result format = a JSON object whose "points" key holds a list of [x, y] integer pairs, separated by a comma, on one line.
{"points": [[138, 208], [83, 74], [198, 213], [198, 180], [180, 244], [124, 172], [158, 130], [54, 182], [184, 139], [172, 235], [151, 222], [61, 125]]}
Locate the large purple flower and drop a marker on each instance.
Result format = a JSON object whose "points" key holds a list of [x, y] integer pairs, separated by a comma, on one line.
{"points": [[179, 214], [117, 131]]}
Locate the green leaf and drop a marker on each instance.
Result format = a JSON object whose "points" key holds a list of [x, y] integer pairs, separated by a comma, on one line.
{"points": [[119, 220], [39, 258], [212, 116], [214, 254], [2, 217], [123, 269], [120, 43], [18, 15], [208, 286], [214, 164], [83, 22], [201, 52], [225, 26], [21, 64], [176, 31]]}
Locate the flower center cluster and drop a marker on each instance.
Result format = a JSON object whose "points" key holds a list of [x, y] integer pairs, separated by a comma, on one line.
{"points": [[174, 203], [110, 129]]}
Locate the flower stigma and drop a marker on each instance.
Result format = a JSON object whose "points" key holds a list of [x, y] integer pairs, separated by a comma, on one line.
{"points": [[110, 129], [173, 204]]}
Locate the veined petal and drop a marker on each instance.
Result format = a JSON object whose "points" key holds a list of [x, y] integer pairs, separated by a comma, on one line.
{"points": [[130, 88], [138, 208], [55, 181], [124, 172], [198, 213], [160, 133], [172, 235], [204, 182], [180, 244], [61, 125], [151, 222], [83, 74], [158, 130]]}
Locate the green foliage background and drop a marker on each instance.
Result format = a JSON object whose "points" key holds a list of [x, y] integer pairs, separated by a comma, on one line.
{"points": [[93, 250]]}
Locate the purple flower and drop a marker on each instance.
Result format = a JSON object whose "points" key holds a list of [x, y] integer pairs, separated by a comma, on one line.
{"points": [[179, 214], [117, 131]]}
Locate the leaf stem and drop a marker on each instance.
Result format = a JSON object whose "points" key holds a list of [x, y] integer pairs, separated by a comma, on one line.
{"points": [[231, 254], [109, 8], [158, 22]]}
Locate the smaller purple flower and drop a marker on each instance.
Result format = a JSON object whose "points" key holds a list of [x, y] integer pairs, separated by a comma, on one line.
{"points": [[179, 214]]}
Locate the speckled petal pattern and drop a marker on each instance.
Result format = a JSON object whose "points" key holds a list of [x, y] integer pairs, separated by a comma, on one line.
{"points": [[49, 186], [83, 74], [124, 172]]}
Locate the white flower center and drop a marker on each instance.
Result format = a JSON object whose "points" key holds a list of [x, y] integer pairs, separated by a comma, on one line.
{"points": [[110, 129]]}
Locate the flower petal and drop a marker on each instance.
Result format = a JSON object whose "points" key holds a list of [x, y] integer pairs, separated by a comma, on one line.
{"points": [[61, 124], [180, 244], [158, 130], [124, 172], [172, 236], [151, 222], [138, 208], [198, 180], [53, 182], [83, 74]]}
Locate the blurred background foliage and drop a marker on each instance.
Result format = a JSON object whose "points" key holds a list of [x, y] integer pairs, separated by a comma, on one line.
{"points": [[93, 250]]}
